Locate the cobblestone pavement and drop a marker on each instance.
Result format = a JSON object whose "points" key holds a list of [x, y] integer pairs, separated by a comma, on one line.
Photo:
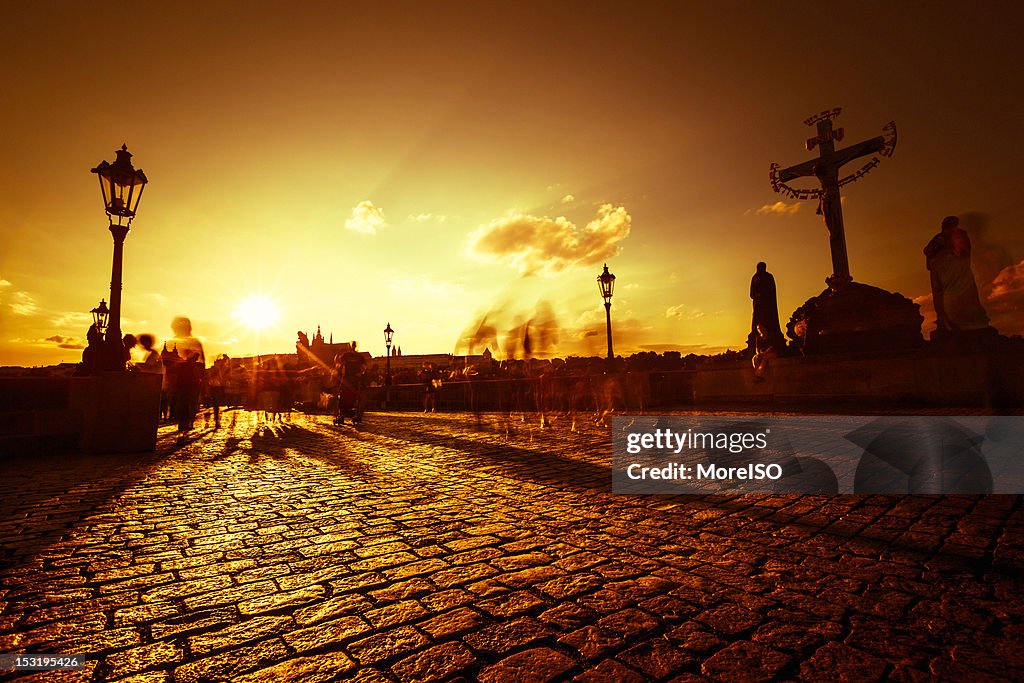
{"points": [[435, 547]]}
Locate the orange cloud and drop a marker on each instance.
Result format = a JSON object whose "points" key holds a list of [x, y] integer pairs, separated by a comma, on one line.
{"points": [[366, 218], [533, 244], [1005, 300], [684, 312], [779, 208], [66, 342], [22, 303]]}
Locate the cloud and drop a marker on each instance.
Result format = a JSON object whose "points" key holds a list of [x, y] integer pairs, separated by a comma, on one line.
{"points": [[4, 283], [927, 312], [59, 340], [422, 285], [1005, 299], [684, 312], [366, 218], [779, 208], [74, 318], [22, 303], [66, 342], [568, 199], [427, 218], [533, 244]]}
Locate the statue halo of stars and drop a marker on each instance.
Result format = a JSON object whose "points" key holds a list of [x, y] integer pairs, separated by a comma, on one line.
{"points": [[848, 316]]}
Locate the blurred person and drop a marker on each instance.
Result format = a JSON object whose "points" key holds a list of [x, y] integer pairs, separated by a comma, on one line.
{"points": [[187, 387], [764, 351], [170, 360], [216, 382], [430, 385], [183, 340], [149, 358]]}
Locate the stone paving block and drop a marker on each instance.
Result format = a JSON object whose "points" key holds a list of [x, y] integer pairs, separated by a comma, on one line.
{"points": [[746, 661], [388, 644], [611, 671], [507, 635], [243, 632], [438, 663], [592, 642], [511, 604], [192, 621], [452, 623], [309, 669], [164, 655], [327, 633], [657, 657], [530, 666], [396, 613], [838, 661], [222, 668], [281, 600]]}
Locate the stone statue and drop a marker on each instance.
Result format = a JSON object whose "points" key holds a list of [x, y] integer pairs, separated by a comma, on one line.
{"points": [[954, 292], [766, 309], [92, 355], [303, 340]]}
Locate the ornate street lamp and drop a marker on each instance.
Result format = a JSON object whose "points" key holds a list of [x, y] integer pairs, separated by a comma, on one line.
{"points": [[122, 186], [388, 335], [606, 283], [100, 315]]}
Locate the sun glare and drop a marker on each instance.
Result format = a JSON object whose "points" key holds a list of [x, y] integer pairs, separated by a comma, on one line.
{"points": [[257, 312]]}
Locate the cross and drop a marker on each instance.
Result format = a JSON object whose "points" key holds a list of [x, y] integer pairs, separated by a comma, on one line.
{"points": [[826, 168]]}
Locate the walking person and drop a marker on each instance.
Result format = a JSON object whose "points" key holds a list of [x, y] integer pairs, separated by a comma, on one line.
{"points": [[216, 382], [187, 389], [430, 385]]}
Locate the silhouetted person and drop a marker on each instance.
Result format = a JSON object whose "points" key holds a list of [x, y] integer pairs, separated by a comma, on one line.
{"points": [[128, 343], [187, 386], [150, 360], [766, 308], [430, 383], [764, 351], [217, 380], [170, 359], [954, 291]]}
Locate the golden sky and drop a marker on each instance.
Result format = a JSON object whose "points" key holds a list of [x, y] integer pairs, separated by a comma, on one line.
{"points": [[425, 163]]}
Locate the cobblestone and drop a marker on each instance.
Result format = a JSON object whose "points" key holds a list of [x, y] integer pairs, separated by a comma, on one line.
{"points": [[436, 547]]}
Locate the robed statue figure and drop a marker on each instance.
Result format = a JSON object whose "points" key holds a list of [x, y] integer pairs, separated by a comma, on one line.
{"points": [[954, 292], [766, 309]]}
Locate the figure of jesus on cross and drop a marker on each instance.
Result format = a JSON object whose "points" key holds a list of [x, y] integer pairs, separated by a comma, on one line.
{"points": [[826, 168]]}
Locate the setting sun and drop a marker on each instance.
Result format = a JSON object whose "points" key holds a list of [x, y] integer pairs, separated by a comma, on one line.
{"points": [[257, 312]]}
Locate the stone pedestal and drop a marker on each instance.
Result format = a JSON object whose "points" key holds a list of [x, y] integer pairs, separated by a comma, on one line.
{"points": [[856, 317], [120, 412]]}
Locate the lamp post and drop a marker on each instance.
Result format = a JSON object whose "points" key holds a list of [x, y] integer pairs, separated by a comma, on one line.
{"points": [[100, 315], [122, 185], [606, 283], [388, 335]]}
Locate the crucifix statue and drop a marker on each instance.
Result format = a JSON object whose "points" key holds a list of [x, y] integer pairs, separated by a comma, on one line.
{"points": [[826, 168]]}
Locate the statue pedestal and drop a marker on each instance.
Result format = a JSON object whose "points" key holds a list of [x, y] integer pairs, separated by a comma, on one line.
{"points": [[856, 317]]}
